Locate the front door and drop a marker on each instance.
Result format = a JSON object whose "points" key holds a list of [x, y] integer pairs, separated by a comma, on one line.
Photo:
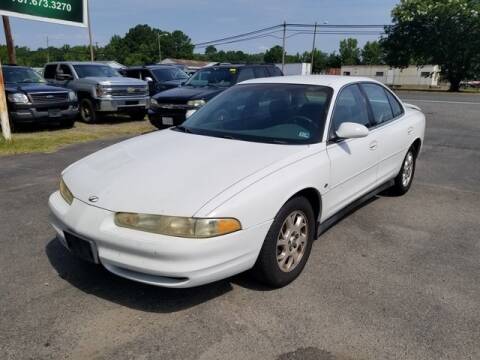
{"points": [[353, 162]]}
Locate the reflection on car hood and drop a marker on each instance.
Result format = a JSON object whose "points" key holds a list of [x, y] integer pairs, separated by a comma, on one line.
{"points": [[118, 80], [33, 87], [169, 172], [185, 93]]}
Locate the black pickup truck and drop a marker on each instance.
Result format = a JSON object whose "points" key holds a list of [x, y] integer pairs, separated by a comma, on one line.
{"points": [[31, 100]]}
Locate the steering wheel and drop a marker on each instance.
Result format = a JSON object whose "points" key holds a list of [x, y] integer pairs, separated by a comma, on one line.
{"points": [[304, 122]]}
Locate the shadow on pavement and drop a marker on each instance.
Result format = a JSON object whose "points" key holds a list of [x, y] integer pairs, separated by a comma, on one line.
{"points": [[94, 279]]}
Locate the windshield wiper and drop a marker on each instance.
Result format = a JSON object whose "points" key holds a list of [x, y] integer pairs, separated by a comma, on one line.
{"points": [[183, 129]]}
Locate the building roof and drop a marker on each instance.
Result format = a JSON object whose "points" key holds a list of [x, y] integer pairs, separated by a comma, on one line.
{"points": [[334, 81]]}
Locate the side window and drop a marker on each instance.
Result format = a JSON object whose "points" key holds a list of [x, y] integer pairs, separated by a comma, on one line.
{"points": [[260, 72], [382, 111], [274, 71], [50, 71], [135, 74], [396, 107], [351, 106], [245, 74], [65, 69]]}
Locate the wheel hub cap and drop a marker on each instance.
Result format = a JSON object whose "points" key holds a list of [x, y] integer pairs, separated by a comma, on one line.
{"points": [[292, 240]]}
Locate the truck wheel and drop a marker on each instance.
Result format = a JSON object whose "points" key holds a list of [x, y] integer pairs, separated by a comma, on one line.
{"points": [[87, 111], [287, 245]]}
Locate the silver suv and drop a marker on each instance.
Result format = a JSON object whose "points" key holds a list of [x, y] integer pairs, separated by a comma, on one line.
{"points": [[100, 89]]}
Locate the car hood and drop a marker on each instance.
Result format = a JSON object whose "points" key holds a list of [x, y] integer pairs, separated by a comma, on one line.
{"points": [[184, 93], [32, 88], [169, 172], [119, 80]]}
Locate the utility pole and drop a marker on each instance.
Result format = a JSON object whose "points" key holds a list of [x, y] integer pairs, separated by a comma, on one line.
{"points": [[159, 49], [283, 46], [313, 46], [92, 55], [4, 121], [12, 57], [48, 51]]}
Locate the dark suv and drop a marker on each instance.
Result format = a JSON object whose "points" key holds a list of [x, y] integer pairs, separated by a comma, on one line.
{"points": [[158, 77], [30, 99], [173, 106]]}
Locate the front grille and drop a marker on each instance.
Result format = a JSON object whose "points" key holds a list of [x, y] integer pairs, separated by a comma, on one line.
{"points": [[135, 90], [48, 98]]}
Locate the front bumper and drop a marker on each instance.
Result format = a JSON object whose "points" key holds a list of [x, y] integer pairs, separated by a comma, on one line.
{"points": [[43, 114], [124, 104], [157, 259]]}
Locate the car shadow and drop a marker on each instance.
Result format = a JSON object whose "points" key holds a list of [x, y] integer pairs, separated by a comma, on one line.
{"points": [[96, 280]]}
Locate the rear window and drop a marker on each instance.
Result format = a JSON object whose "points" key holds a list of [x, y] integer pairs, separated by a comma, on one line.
{"points": [[274, 71], [50, 71]]}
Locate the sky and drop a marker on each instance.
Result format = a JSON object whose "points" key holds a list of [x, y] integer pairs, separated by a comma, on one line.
{"points": [[205, 20]]}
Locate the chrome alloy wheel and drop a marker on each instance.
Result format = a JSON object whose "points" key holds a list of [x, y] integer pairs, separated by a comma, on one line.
{"points": [[292, 241], [407, 170]]}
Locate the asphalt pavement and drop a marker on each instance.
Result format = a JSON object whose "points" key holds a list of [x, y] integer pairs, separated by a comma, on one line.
{"points": [[397, 279]]}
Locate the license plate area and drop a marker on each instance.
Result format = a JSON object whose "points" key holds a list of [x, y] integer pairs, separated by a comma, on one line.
{"points": [[54, 113], [167, 120], [132, 102], [84, 249]]}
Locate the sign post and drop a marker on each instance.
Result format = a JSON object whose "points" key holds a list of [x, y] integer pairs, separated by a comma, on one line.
{"points": [[3, 109]]}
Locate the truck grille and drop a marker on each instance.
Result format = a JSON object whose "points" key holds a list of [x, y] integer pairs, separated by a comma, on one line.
{"points": [[135, 90], [49, 98]]}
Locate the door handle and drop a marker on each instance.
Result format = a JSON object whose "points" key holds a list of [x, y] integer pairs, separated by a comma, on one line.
{"points": [[373, 145]]}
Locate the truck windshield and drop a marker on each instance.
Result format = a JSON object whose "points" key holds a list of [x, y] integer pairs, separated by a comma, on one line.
{"points": [[169, 74], [270, 113], [92, 70], [21, 76], [213, 77]]}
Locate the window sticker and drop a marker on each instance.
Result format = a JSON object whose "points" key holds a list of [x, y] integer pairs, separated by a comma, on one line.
{"points": [[304, 134]]}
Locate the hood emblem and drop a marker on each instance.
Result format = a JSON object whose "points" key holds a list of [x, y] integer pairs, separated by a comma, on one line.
{"points": [[93, 199], [130, 90]]}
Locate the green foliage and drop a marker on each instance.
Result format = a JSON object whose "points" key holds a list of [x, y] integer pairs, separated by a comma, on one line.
{"points": [[443, 32], [372, 54], [349, 52], [274, 55]]}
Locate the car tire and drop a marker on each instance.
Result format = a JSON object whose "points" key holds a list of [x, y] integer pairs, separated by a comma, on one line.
{"points": [[287, 245], [87, 111], [404, 179]]}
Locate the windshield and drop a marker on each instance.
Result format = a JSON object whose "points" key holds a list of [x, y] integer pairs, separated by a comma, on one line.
{"points": [[91, 70], [169, 74], [272, 113], [21, 75], [213, 77]]}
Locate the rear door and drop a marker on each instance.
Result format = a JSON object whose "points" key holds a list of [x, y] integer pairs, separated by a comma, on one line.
{"points": [[391, 129], [354, 162]]}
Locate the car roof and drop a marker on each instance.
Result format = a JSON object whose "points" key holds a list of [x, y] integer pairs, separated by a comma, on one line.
{"points": [[227, 66], [333, 81], [161, 66], [15, 66], [76, 63]]}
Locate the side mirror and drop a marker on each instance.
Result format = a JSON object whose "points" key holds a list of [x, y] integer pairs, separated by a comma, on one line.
{"points": [[148, 79], [349, 130], [63, 77]]}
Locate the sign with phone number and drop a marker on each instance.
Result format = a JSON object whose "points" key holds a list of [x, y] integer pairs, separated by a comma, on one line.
{"points": [[67, 12]]}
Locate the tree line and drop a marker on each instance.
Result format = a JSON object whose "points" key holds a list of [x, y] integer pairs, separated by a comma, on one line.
{"points": [[441, 32]]}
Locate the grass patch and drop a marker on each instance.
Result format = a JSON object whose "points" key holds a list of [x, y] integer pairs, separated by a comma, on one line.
{"points": [[51, 139]]}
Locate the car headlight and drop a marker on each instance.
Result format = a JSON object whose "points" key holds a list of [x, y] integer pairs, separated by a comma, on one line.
{"points": [[178, 226], [102, 91], [18, 98], [65, 192], [72, 96], [196, 103], [153, 103]]}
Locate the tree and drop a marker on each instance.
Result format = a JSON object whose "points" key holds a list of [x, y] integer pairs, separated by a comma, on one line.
{"points": [[273, 55], [440, 32], [349, 52], [210, 52], [372, 54]]}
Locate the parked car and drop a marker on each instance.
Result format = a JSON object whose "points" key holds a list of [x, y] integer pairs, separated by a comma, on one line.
{"points": [[247, 182], [173, 106], [100, 89], [158, 77], [31, 100]]}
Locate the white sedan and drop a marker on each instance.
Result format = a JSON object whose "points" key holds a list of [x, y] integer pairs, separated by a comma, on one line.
{"points": [[247, 182]]}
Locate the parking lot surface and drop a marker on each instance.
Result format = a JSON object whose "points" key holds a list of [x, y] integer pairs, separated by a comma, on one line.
{"points": [[397, 279]]}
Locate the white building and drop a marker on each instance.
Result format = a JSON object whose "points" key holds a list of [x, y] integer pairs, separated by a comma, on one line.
{"points": [[424, 77], [296, 69]]}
